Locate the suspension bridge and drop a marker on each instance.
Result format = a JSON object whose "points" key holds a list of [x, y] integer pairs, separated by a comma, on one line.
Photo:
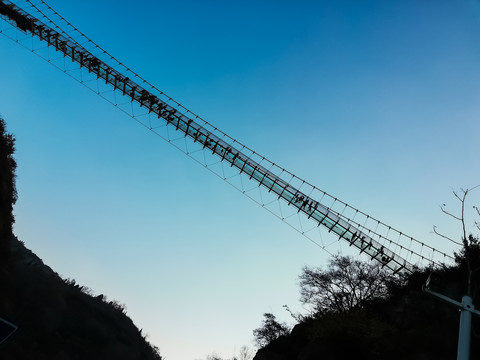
{"points": [[301, 205]]}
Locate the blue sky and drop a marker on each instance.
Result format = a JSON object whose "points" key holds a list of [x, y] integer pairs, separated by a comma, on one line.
{"points": [[375, 102]]}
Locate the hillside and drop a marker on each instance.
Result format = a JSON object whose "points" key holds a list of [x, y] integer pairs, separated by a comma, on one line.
{"points": [[408, 324], [57, 318]]}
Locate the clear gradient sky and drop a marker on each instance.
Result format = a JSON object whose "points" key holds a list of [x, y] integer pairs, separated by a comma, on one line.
{"points": [[375, 102]]}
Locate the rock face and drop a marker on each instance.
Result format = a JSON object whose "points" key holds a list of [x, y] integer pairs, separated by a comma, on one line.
{"points": [[57, 318]]}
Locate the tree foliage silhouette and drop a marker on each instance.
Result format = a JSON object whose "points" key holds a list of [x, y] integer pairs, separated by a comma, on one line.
{"points": [[270, 330], [385, 317], [8, 192], [345, 284]]}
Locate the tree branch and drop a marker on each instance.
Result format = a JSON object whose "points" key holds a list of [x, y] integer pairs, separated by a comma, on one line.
{"points": [[445, 237], [442, 207]]}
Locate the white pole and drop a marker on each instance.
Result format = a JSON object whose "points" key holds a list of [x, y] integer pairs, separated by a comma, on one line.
{"points": [[467, 309], [464, 332]]}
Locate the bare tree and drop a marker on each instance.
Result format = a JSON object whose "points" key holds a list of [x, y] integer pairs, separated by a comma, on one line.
{"points": [[270, 330], [245, 353], [345, 284], [461, 197], [214, 356], [467, 242]]}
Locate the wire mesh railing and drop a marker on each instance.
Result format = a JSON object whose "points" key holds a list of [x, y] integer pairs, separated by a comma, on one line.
{"points": [[297, 202]]}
